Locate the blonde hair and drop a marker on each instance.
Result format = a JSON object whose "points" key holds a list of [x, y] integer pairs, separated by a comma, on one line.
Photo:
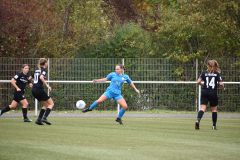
{"points": [[213, 66], [42, 62]]}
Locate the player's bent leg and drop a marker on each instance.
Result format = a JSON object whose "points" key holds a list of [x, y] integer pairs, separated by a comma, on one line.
{"points": [[24, 103], [50, 103], [124, 107], [101, 99], [214, 117], [123, 103], [200, 115], [13, 105]]}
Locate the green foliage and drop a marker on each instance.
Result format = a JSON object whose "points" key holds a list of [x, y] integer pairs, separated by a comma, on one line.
{"points": [[129, 40], [180, 30], [194, 28], [51, 28]]}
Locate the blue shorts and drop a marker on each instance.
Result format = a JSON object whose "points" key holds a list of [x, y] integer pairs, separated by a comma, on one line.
{"points": [[111, 95]]}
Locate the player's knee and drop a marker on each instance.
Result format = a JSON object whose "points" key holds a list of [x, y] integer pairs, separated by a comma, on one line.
{"points": [[203, 108], [51, 106], [214, 109], [26, 105], [12, 107], [125, 107]]}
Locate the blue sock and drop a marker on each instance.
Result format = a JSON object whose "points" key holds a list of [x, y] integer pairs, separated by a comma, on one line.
{"points": [[93, 105], [121, 113]]}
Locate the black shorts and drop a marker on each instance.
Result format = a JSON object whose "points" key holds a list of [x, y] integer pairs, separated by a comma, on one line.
{"points": [[18, 96], [40, 94], [209, 96]]}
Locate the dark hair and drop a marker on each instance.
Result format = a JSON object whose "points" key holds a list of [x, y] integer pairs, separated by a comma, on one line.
{"points": [[24, 65], [121, 66]]}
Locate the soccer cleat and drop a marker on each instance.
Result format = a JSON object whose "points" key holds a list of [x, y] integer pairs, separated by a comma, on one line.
{"points": [[214, 127], [44, 120], [197, 126], [39, 122], [119, 120], [86, 110], [27, 120]]}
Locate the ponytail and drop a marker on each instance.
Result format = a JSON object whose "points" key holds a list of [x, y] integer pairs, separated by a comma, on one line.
{"points": [[42, 62]]}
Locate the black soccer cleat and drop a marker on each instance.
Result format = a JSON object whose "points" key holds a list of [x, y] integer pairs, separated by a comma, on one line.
{"points": [[44, 120], [197, 126], [214, 128], [39, 122], [119, 120], [27, 120], [86, 110]]}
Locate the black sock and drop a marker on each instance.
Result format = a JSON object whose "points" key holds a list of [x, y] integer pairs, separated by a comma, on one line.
{"points": [[24, 111], [48, 110], [214, 118], [6, 109], [42, 111], [199, 116]]}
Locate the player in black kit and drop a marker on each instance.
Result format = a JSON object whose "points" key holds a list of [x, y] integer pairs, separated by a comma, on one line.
{"points": [[39, 93], [210, 80], [19, 82]]}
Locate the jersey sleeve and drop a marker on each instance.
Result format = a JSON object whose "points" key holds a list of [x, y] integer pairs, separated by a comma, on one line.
{"points": [[128, 79], [201, 76], [44, 73], [16, 76], [109, 76], [219, 78]]}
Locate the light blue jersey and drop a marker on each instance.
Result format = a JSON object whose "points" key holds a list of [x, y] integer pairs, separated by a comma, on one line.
{"points": [[115, 88], [117, 81]]}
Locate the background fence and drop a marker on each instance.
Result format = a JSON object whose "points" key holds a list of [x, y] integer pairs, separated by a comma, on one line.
{"points": [[154, 95]]}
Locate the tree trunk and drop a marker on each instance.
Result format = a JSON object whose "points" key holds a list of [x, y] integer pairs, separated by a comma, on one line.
{"points": [[66, 19]]}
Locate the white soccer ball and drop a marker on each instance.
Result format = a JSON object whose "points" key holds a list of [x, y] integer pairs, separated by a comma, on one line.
{"points": [[80, 104]]}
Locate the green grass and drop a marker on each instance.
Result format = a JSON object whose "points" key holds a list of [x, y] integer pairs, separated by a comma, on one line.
{"points": [[102, 139]]}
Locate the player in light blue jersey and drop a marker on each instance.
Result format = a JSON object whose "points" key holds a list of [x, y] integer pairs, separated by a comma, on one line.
{"points": [[117, 79]]}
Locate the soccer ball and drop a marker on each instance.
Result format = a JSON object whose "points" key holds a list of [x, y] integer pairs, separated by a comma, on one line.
{"points": [[80, 104]]}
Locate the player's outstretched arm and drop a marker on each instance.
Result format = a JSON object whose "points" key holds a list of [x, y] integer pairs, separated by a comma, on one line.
{"points": [[100, 80], [134, 87]]}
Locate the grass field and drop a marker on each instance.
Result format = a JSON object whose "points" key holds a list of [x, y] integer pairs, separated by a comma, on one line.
{"points": [[103, 139]]}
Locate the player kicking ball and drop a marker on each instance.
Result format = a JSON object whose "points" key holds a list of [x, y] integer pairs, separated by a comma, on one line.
{"points": [[117, 79], [209, 80]]}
